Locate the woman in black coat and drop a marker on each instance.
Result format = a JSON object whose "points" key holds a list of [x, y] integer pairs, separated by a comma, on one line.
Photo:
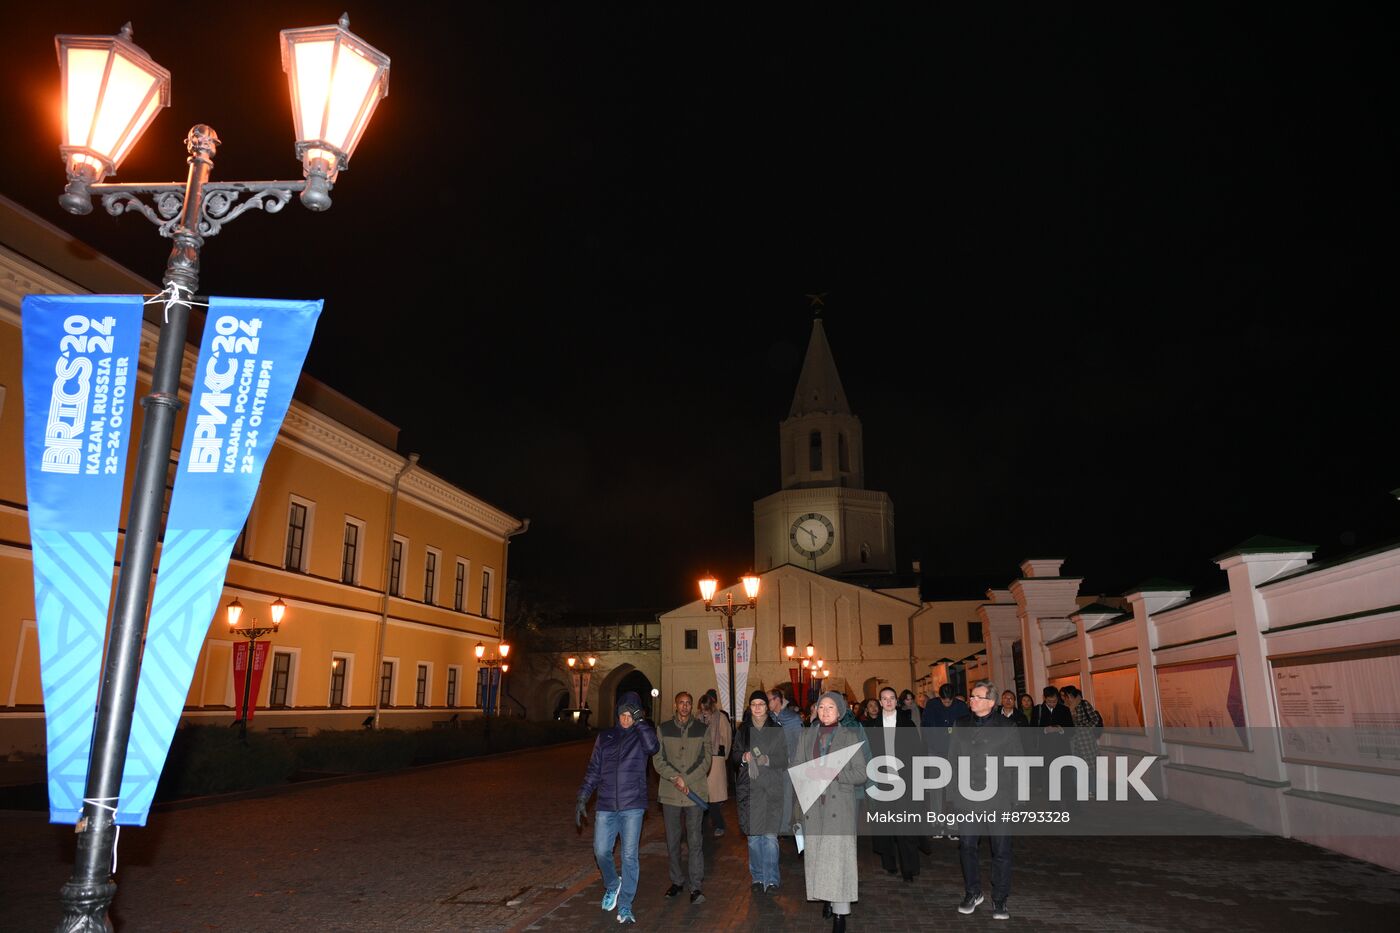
{"points": [[760, 754]]}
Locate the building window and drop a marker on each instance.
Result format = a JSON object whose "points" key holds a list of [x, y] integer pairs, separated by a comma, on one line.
{"points": [[459, 586], [692, 639], [946, 635], [974, 631], [281, 677], [430, 576], [789, 638], [350, 554], [486, 575], [865, 553], [296, 537], [338, 666], [842, 457], [420, 693], [386, 684], [452, 674], [887, 634], [396, 567], [814, 451]]}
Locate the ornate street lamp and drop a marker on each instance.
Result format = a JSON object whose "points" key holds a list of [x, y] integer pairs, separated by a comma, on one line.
{"points": [[252, 633], [492, 704], [111, 91], [708, 585]]}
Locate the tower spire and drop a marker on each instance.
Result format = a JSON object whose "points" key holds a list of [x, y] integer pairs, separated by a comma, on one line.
{"points": [[819, 385]]}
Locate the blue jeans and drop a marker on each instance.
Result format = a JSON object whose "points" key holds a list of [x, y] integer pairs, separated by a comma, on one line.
{"points": [[607, 826], [763, 859]]}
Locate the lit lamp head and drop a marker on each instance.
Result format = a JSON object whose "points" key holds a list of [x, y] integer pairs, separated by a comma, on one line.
{"points": [[479, 650], [751, 586], [592, 661], [826, 672], [572, 662], [279, 609], [111, 91], [505, 668], [811, 650], [235, 612], [505, 650], [708, 585], [790, 650], [336, 80]]}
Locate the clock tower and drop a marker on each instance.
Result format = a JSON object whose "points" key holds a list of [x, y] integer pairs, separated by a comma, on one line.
{"points": [[823, 518]]}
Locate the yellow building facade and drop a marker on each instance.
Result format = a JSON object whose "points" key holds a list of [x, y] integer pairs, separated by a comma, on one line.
{"points": [[391, 575]]}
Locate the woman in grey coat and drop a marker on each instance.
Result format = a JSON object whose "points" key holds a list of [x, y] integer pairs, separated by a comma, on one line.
{"points": [[760, 753], [829, 825]]}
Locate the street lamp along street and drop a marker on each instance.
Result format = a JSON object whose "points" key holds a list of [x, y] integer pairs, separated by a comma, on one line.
{"points": [[111, 91], [252, 633], [708, 586]]}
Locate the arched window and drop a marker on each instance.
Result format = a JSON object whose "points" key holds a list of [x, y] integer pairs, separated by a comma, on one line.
{"points": [[814, 447], [865, 553], [842, 457]]}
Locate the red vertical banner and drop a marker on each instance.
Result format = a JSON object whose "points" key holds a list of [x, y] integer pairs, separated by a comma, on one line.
{"points": [[240, 673]]}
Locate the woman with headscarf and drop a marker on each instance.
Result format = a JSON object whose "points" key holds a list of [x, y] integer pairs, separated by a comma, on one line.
{"points": [[760, 754], [829, 825]]}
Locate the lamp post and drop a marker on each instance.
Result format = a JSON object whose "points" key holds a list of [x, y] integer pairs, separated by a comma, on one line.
{"points": [[252, 633], [729, 610], [581, 672], [810, 674], [492, 704], [111, 91]]}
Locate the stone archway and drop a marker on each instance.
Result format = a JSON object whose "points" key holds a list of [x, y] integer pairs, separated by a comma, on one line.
{"points": [[604, 693], [555, 696]]}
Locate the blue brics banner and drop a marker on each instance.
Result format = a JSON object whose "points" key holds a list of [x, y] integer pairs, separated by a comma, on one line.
{"points": [[249, 361], [80, 360]]}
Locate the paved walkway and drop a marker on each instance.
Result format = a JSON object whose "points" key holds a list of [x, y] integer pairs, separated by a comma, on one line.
{"points": [[490, 845]]}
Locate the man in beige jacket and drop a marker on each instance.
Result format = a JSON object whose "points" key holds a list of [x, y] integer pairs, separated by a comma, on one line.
{"points": [[683, 762]]}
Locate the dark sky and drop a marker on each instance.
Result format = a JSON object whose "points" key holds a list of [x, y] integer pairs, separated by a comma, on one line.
{"points": [[1110, 284]]}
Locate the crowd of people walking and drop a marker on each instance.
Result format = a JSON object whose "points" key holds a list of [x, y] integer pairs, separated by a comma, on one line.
{"points": [[697, 750]]}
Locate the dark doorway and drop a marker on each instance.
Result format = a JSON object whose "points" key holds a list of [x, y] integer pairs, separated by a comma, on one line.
{"points": [[636, 682]]}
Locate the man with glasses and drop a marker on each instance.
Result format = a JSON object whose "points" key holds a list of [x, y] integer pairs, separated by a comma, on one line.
{"points": [[977, 737]]}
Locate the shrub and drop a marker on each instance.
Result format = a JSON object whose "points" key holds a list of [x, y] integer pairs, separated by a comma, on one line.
{"points": [[214, 760]]}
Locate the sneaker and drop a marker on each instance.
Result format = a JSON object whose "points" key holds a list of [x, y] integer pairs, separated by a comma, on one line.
{"points": [[625, 916], [769, 888], [999, 911], [756, 887], [718, 833], [673, 890], [610, 895], [697, 896], [952, 838], [969, 903]]}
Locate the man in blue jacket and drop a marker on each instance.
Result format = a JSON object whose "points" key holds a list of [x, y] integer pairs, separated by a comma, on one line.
{"points": [[618, 772]]}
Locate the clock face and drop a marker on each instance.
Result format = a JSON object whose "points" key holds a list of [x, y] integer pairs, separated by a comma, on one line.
{"points": [[812, 535]]}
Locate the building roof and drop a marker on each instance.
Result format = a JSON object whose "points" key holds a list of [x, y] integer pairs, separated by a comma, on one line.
{"points": [[819, 385], [1266, 544]]}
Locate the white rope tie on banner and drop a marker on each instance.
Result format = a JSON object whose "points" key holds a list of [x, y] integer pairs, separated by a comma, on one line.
{"points": [[172, 296], [101, 804]]}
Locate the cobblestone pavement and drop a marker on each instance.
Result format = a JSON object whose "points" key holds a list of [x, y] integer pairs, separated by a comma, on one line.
{"points": [[490, 845]]}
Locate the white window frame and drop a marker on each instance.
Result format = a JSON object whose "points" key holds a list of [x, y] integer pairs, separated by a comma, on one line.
{"points": [[310, 506], [349, 659], [454, 702], [466, 567], [293, 675], [437, 575], [397, 591], [427, 685], [488, 594], [359, 550], [393, 682]]}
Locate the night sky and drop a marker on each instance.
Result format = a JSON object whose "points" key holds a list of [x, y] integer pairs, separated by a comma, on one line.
{"points": [[1115, 285]]}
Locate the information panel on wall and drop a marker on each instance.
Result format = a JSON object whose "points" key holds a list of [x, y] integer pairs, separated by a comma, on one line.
{"points": [[1118, 698], [1202, 703], [1341, 708]]}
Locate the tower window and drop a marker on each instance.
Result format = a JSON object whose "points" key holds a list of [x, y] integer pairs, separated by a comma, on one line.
{"points": [[842, 457], [814, 445], [886, 634]]}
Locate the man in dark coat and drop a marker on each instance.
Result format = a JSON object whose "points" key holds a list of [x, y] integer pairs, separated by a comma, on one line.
{"points": [[617, 770], [977, 737], [1050, 724], [937, 721]]}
